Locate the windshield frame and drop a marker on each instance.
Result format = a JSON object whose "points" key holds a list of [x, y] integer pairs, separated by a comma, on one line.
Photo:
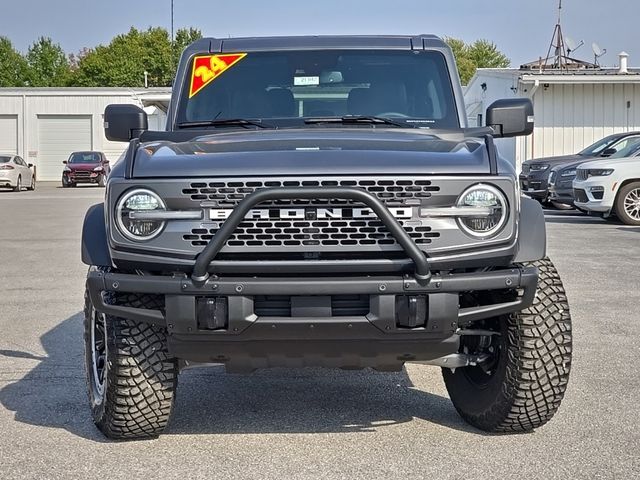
{"points": [[448, 80]]}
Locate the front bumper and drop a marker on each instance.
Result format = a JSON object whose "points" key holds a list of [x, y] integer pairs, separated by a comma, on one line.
{"points": [[312, 334], [561, 194], [83, 177], [535, 184], [594, 194]]}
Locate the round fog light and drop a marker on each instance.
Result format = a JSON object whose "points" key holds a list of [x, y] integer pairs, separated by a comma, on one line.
{"points": [[492, 211], [140, 200]]}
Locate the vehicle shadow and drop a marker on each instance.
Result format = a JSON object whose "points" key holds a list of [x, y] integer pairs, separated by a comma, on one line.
{"points": [[210, 401], [575, 220]]}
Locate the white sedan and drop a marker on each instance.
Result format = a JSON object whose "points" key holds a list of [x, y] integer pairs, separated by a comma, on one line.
{"points": [[610, 187], [15, 173]]}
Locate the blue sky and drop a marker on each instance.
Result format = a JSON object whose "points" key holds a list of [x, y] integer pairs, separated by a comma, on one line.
{"points": [[522, 29]]}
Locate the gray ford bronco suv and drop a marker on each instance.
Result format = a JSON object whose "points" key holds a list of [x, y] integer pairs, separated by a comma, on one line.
{"points": [[320, 201]]}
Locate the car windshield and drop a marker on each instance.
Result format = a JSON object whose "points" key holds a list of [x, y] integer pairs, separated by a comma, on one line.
{"points": [[411, 87], [599, 147], [5, 159], [631, 149], [84, 157]]}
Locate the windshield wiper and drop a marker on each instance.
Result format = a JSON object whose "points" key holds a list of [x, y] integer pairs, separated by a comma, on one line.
{"points": [[355, 119], [225, 122]]}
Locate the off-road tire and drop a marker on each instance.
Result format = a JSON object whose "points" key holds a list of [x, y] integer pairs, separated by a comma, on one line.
{"points": [[620, 209], [531, 375], [141, 377]]}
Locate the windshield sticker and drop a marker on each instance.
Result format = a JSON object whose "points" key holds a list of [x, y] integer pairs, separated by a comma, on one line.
{"points": [[306, 81], [207, 68]]}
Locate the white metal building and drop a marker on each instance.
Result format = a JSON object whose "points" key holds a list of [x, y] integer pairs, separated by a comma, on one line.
{"points": [[573, 109], [44, 125]]}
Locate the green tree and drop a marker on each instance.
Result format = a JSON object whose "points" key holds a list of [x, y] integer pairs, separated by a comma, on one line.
{"points": [[13, 66], [184, 38], [47, 64], [123, 62], [479, 54]]}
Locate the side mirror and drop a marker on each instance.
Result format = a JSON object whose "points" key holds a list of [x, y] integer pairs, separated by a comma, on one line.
{"points": [[64, 162], [511, 117], [124, 122], [608, 152], [30, 165]]}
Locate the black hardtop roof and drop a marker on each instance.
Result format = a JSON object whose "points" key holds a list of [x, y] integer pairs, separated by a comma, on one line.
{"points": [[318, 42]]}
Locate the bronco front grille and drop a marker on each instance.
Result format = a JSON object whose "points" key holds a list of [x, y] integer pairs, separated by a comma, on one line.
{"points": [[329, 232], [393, 192]]}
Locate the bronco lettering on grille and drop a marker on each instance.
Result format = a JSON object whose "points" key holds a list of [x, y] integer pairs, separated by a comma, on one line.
{"points": [[308, 213]]}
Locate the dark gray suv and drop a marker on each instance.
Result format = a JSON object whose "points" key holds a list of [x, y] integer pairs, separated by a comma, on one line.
{"points": [[320, 201]]}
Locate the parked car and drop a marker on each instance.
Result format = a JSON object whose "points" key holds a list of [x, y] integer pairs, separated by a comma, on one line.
{"points": [[610, 187], [562, 176], [534, 179], [15, 173], [85, 167]]}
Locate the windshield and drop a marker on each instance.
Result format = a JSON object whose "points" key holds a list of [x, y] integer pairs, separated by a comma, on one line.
{"points": [[599, 147], [84, 157], [631, 149], [5, 159], [412, 87]]}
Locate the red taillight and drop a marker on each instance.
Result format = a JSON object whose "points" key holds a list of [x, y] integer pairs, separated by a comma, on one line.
{"points": [[6, 167]]}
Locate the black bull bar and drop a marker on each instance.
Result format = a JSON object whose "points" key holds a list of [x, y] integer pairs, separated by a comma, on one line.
{"points": [[200, 271]]}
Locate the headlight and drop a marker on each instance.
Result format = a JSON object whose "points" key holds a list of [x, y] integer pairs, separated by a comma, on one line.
{"points": [[569, 173], [484, 225], [599, 172], [539, 167], [66, 169], [140, 200], [97, 169]]}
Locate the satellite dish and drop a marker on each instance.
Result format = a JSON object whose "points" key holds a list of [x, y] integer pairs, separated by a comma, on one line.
{"points": [[572, 46], [598, 52]]}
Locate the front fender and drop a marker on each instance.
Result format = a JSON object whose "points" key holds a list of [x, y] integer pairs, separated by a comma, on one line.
{"points": [[532, 233], [95, 249]]}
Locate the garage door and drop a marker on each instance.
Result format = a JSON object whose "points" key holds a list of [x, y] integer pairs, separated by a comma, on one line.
{"points": [[58, 136], [9, 134]]}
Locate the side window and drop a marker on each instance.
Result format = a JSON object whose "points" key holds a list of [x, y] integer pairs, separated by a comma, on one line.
{"points": [[625, 142], [20, 162]]}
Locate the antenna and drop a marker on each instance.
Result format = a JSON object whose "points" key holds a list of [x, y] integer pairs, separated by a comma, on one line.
{"points": [[557, 44], [572, 46], [598, 52]]}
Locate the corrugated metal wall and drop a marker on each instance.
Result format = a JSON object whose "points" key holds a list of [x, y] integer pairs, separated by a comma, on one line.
{"points": [[27, 107], [571, 117]]}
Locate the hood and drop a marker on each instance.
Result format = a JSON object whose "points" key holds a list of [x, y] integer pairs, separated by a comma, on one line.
{"points": [[82, 167], [314, 151], [613, 163], [557, 160]]}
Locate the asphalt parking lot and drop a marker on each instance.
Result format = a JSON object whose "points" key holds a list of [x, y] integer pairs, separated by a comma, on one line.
{"points": [[297, 424]]}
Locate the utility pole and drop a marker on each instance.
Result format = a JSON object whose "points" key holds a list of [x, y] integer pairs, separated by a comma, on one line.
{"points": [[172, 39]]}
